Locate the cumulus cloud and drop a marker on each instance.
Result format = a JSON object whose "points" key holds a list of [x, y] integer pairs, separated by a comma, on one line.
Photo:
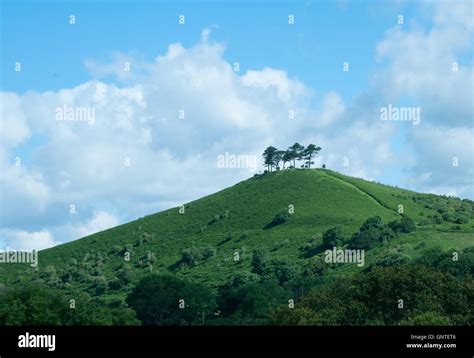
{"points": [[159, 128], [444, 161], [431, 68], [25, 240], [428, 65]]}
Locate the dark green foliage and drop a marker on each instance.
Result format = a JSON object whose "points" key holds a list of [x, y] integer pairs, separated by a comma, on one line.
{"points": [[157, 299], [371, 233], [427, 319], [99, 285], [456, 263], [259, 264], [279, 219], [405, 225], [193, 255], [269, 157], [374, 222], [282, 270], [125, 275], [425, 222], [461, 218], [250, 303], [373, 298], [317, 267], [322, 198], [390, 260], [333, 237], [37, 304], [366, 239], [115, 284]]}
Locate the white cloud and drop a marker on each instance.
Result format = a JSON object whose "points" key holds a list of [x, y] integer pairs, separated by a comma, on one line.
{"points": [[452, 152], [332, 110], [24, 240], [14, 129], [421, 63], [417, 68], [99, 222]]}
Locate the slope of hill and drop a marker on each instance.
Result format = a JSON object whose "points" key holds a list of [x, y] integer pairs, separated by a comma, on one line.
{"points": [[214, 237]]}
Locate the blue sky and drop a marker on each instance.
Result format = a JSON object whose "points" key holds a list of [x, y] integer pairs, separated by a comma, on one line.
{"points": [[326, 34], [175, 66]]}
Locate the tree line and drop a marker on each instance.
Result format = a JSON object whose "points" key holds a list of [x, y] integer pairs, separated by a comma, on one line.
{"points": [[297, 152]]}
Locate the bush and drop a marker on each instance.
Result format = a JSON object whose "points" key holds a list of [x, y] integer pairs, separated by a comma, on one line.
{"points": [[374, 222], [425, 222], [317, 267], [156, 299], [280, 244], [125, 275], [258, 264], [448, 216], [365, 239], [99, 285], [282, 270], [368, 299], [279, 219], [35, 304], [436, 218], [461, 219], [333, 237], [193, 255], [405, 225], [115, 284], [250, 303]]}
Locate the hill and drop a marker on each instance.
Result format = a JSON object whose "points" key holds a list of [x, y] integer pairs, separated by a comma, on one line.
{"points": [[212, 239]]}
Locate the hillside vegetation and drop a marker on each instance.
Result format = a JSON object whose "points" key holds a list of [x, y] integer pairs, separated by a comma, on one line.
{"points": [[283, 216]]}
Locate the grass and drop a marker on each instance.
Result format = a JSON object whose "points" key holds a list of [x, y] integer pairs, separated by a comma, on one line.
{"points": [[233, 220]]}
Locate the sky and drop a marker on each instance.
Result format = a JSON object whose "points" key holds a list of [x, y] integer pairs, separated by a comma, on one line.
{"points": [[156, 101]]}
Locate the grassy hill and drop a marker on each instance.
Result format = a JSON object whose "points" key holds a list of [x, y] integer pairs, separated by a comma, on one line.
{"points": [[203, 242]]}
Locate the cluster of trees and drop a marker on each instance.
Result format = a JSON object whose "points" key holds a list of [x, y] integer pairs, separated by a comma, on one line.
{"points": [[371, 233], [297, 152], [403, 295], [38, 304], [448, 209], [433, 291]]}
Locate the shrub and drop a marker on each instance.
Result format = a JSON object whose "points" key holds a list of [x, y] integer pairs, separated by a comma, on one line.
{"points": [[115, 284], [405, 225], [279, 219], [461, 219], [99, 285], [193, 255], [258, 264], [282, 270], [281, 244], [125, 275], [333, 237], [425, 222], [365, 239], [317, 267], [374, 222], [156, 300]]}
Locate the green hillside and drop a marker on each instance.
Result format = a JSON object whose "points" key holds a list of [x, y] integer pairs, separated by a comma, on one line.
{"points": [[234, 220], [214, 238]]}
